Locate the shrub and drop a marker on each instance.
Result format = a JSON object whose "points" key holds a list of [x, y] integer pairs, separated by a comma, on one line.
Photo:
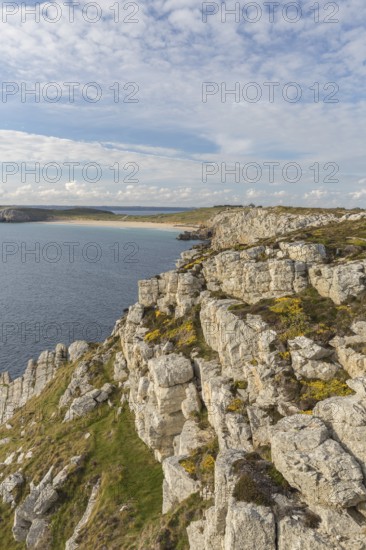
{"points": [[241, 384], [317, 390], [247, 490], [208, 464], [277, 477], [152, 336], [189, 465], [236, 406]]}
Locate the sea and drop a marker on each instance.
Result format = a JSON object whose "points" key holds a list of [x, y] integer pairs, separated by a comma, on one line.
{"points": [[63, 282]]}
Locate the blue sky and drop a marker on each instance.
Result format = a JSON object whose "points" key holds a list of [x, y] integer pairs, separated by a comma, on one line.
{"points": [[170, 134]]}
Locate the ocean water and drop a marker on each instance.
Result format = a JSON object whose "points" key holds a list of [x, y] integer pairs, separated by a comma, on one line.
{"points": [[61, 283]]}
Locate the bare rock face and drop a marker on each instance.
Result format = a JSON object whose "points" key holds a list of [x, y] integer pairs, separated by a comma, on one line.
{"points": [[157, 399], [32, 517], [191, 438], [308, 360], [196, 534], [315, 464], [171, 291], [249, 526], [120, 368], [77, 349], [346, 419], [339, 282], [248, 225], [71, 543], [8, 487], [293, 535], [170, 370], [16, 393], [80, 406], [177, 485], [309, 253], [237, 342], [38, 532], [253, 280], [352, 361]]}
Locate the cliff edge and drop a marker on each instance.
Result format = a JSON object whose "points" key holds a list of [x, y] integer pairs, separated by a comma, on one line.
{"points": [[227, 411]]}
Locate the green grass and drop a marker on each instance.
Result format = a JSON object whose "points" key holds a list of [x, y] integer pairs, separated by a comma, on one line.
{"points": [[171, 532], [194, 217], [114, 453], [130, 476]]}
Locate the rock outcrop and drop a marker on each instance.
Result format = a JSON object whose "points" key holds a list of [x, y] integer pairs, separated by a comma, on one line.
{"points": [[16, 393], [245, 373], [248, 225], [12, 215]]}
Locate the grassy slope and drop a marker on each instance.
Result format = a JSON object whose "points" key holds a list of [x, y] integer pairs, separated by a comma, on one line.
{"points": [[191, 217], [128, 471]]}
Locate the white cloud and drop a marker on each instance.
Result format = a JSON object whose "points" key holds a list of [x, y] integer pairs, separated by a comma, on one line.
{"points": [[170, 53]]}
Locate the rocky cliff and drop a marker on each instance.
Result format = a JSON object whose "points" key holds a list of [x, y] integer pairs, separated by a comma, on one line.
{"points": [[227, 411], [13, 215]]}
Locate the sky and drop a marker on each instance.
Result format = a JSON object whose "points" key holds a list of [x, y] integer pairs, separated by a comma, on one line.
{"points": [[177, 102]]}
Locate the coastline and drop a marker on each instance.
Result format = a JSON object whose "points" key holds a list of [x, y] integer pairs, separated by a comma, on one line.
{"points": [[125, 224]]}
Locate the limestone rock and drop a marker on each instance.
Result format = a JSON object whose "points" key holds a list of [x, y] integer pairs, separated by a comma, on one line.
{"points": [[315, 464], [169, 400], [135, 314], [171, 291], [148, 291], [16, 393], [346, 417], [196, 535], [177, 485], [46, 499], [352, 361], [31, 516], [225, 480], [170, 370], [37, 533], [79, 384], [252, 281], [339, 282], [293, 535], [82, 405], [8, 486], [12, 215], [71, 543], [192, 403], [77, 349], [120, 368], [249, 526], [248, 225], [304, 252], [307, 357], [237, 342], [260, 426], [192, 438]]}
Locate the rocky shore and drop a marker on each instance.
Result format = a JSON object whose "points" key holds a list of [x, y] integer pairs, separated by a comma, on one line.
{"points": [[240, 377]]}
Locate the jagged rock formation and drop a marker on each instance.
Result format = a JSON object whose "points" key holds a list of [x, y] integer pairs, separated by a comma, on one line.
{"points": [[249, 225], [31, 520], [200, 234], [245, 373], [15, 394], [71, 543]]}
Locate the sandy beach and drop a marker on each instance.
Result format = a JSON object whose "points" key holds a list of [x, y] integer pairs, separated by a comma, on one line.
{"points": [[126, 224]]}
